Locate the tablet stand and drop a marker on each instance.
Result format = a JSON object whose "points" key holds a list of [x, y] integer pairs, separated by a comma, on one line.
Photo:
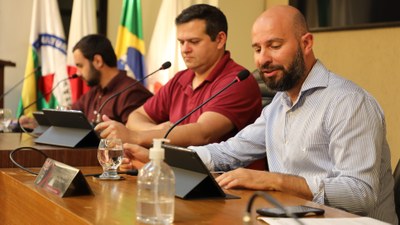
{"points": [[192, 178], [69, 129]]}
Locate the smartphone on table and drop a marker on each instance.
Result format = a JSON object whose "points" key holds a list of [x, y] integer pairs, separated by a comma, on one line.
{"points": [[299, 211]]}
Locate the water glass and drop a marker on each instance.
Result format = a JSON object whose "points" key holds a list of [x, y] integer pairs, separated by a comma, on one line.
{"points": [[5, 119], [110, 153]]}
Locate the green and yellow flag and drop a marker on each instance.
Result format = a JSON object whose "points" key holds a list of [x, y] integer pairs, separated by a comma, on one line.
{"points": [[130, 48]]}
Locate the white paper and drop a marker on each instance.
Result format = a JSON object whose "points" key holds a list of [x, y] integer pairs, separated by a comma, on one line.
{"points": [[323, 221]]}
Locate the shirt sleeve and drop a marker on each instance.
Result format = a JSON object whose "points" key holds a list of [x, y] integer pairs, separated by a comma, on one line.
{"points": [[239, 151], [240, 103], [157, 107], [356, 128]]}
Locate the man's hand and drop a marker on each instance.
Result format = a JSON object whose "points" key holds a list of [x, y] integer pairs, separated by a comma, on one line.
{"points": [[267, 181], [27, 122], [113, 129], [135, 157], [245, 178]]}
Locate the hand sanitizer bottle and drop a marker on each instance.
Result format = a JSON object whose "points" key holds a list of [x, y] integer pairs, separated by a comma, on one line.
{"points": [[155, 189]]}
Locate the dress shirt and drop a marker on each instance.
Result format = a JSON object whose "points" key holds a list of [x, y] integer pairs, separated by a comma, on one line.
{"points": [[334, 136]]}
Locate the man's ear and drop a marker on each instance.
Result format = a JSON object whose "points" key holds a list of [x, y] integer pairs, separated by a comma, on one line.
{"points": [[98, 61], [221, 39], [307, 41]]}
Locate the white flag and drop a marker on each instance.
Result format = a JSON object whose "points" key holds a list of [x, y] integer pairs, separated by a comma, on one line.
{"points": [[46, 56], [83, 22], [164, 45]]}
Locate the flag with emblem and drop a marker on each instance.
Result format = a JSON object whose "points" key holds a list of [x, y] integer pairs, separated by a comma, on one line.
{"points": [[47, 59]]}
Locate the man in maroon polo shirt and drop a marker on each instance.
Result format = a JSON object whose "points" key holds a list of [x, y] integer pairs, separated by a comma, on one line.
{"points": [[96, 63], [202, 34]]}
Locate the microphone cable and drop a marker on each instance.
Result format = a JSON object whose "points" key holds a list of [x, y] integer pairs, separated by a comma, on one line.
{"points": [[24, 130], [132, 172], [11, 155], [247, 216]]}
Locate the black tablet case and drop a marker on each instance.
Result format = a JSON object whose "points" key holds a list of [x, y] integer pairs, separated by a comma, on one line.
{"points": [[68, 128], [192, 178]]}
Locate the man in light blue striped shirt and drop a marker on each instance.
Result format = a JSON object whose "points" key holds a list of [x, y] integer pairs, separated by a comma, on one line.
{"points": [[325, 137]]}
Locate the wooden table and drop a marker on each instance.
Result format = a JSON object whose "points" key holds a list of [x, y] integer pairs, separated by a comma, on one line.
{"points": [[114, 202], [70, 156]]}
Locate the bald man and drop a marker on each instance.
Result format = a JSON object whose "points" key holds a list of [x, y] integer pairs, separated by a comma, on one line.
{"points": [[323, 135]]}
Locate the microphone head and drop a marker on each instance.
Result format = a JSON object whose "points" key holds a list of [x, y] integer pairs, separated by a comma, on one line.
{"points": [[165, 65], [243, 74]]}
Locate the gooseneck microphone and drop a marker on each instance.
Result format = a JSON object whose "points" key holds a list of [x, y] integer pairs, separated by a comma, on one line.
{"points": [[164, 66], [241, 76], [20, 81], [49, 92]]}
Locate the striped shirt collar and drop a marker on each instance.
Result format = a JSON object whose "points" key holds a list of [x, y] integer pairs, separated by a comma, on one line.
{"points": [[317, 78]]}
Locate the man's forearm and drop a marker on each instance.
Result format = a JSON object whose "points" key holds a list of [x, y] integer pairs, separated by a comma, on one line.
{"points": [[184, 135], [181, 135], [138, 121], [291, 184]]}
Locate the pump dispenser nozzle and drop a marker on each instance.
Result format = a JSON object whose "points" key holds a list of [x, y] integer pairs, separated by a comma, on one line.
{"points": [[157, 152]]}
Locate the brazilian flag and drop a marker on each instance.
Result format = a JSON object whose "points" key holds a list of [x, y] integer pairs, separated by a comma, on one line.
{"points": [[130, 48]]}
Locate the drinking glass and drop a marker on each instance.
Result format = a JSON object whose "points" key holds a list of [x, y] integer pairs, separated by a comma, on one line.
{"points": [[110, 154], [63, 108], [5, 119]]}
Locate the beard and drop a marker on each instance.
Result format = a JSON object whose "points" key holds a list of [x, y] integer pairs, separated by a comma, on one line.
{"points": [[94, 76], [291, 76]]}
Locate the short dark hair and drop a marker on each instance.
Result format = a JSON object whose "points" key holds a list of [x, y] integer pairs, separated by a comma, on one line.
{"points": [[214, 18], [96, 44]]}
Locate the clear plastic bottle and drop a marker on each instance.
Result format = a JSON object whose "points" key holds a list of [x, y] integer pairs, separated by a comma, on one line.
{"points": [[156, 189]]}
